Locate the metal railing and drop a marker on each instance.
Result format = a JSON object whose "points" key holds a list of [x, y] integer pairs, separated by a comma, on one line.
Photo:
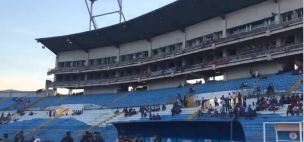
{"points": [[253, 31], [222, 61]]}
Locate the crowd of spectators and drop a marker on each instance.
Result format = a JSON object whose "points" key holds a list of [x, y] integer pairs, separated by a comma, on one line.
{"points": [[5, 119], [233, 106], [21, 100]]}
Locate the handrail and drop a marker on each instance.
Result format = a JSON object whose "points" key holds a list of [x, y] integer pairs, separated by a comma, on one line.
{"points": [[204, 44]]}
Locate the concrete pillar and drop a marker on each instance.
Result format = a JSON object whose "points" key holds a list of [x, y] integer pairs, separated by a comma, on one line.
{"points": [[278, 42], [150, 50], [278, 17], [184, 41], [118, 56], [224, 52], [70, 91], [117, 73], [56, 62], [87, 60], [149, 69], [224, 28], [184, 62], [85, 76]]}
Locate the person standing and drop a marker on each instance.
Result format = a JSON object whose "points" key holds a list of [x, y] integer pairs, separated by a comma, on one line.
{"points": [[68, 138]]}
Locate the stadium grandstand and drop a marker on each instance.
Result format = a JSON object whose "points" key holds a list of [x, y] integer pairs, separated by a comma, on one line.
{"points": [[138, 71]]}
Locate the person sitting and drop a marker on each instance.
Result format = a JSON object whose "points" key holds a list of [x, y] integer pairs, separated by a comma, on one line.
{"points": [[158, 117], [296, 110], [263, 78], [180, 86], [116, 112], [191, 90], [289, 110], [269, 89], [244, 84], [31, 113], [199, 114], [279, 72]]}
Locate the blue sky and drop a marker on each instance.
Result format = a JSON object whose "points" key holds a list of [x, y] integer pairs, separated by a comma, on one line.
{"points": [[23, 61]]}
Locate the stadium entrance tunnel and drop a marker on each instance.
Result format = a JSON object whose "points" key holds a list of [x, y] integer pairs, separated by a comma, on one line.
{"points": [[184, 131]]}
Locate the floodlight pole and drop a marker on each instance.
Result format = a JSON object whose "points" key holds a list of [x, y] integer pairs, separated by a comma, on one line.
{"points": [[92, 17]]}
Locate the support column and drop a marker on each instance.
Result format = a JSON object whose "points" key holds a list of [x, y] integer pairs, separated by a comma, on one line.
{"points": [[117, 73], [56, 62], [150, 50], [118, 56], [70, 91], [224, 28], [224, 52], [278, 17], [185, 40], [184, 62], [86, 76], [87, 60], [148, 69], [278, 42]]}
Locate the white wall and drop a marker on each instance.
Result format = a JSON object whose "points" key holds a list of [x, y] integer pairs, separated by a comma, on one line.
{"points": [[134, 47], [252, 13], [167, 39], [100, 89], [103, 52], [205, 28], [72, 56], [265, 67]]}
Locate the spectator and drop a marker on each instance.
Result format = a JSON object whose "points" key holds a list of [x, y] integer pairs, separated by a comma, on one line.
{"points": [[296, 110], [86, 137], [19, 137], [199, 114], [164, 107], [289, 110], [37, 139], [216, 102], [157, 138], [138, 138], [97, 137], [68, 138]]}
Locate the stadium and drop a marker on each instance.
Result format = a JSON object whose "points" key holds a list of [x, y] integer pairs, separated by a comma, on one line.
{"points": [[134, 77]]}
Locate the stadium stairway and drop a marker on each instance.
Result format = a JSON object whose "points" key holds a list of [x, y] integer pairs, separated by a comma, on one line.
{"points": [[126, 94], [57, 101], [3, 99], [44, 124], [36, 103], [294, 86], [95, 126]]}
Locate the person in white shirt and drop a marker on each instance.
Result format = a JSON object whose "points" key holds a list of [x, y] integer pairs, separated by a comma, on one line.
{"points": [[256, 73], [37, 139]]}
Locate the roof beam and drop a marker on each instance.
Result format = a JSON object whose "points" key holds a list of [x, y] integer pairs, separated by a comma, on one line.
{"points": [[116, 44], [172, 21], [144, 35], [78, 45], [275, 1]]}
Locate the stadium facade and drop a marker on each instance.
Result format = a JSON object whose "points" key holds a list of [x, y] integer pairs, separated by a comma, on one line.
{"points": [[183, 40]]}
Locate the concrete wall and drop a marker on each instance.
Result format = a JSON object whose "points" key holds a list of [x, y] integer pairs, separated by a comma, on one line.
{"points": [[205, 28], [165, 83], [100, 90], [288, 5], [167, 39], [265, 67], [103, 52], [250, 14], [134, 47], [72, 56]]}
